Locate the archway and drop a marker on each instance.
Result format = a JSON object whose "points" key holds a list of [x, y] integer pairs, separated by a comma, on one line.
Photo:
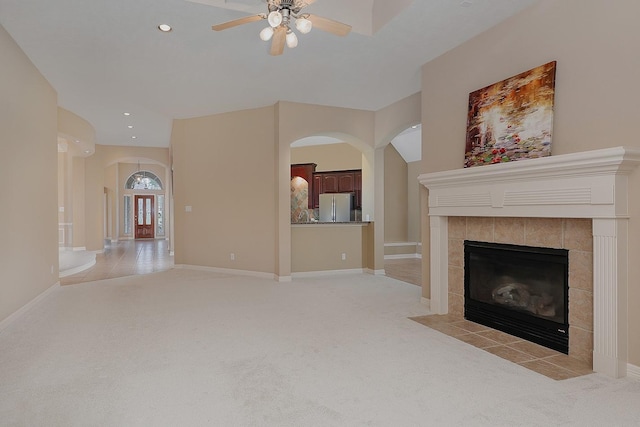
{"points": [[402, 239], [131, 178], [323, 164], [327, 168]]}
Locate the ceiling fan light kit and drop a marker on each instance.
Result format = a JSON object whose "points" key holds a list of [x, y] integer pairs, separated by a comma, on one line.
{"points": [[266, 34], [292, 39], [275, 18], [279, 18], [303, 25]]}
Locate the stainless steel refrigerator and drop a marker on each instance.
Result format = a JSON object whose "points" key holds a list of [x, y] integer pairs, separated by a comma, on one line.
{"points": [[335, 207]]}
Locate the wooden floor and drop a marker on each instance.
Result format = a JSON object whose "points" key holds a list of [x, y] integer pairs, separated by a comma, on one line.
{"points": [[408, 270], [126, 258]]}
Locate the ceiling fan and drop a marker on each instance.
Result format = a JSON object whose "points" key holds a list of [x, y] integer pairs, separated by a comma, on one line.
{"points": [[281, 13]]}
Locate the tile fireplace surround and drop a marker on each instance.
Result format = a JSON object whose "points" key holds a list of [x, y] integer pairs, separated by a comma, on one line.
{"points": [[592, 185]]}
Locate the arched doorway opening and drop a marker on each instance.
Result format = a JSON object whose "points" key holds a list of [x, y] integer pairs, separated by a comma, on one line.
{"points": [[324, 167], [144, 218], [319, 165], [402, 235]]}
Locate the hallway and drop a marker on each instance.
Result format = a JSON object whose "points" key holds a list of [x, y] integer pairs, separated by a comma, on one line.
{"points": [[126, 258]]}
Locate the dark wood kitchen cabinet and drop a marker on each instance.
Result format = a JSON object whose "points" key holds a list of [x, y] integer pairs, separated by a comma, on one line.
{"points": [[317, 189], [357, 187], [329, 182], [347, 181]]}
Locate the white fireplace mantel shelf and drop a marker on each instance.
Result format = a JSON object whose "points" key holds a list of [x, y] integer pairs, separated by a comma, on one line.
{"points": [[592, 184]]}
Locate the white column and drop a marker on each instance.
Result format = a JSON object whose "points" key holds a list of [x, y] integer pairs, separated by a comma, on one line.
{"points": [[439, 264], [610, 296]]}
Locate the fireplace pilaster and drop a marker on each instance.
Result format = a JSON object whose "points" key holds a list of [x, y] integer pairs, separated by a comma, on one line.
{"points": [[610, 296]]}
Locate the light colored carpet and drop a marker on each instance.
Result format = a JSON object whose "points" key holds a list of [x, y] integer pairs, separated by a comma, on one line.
{"points": [[194, 348]]}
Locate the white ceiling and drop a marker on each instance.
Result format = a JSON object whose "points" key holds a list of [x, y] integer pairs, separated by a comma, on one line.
{"points": [[409, 144], [105, 57]]}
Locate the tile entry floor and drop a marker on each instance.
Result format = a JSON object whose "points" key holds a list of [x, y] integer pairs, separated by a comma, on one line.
{"points": [[553, 364], [125, 258], [406, 269]]}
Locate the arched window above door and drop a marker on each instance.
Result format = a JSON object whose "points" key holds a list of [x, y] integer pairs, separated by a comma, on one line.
{"points": [[143, 180]]}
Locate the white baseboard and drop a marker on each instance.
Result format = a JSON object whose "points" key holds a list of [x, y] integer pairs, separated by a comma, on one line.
{"points": [[426, 301], [28, 306], [403, 256], [633, 371], [79, 248], [323, 273], [399, 244], [283, 279], [227, 271], [375, 272]]}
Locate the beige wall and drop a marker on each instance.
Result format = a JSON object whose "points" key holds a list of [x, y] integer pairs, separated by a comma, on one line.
{"points": [[28, 180], [225, 170], [236, 179], [110, 176], [77, 137], [65, 210], [401, 198], [78, 202], [94, 203], [395, 196], [413, 202], [78, 133], [397, 117], [320, 247], [111, 154], [596, 103], [328, 157], [366, 130], [297, 121]]}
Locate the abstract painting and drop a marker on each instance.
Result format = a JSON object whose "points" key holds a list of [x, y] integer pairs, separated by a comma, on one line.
{"points": [[511, 120]]}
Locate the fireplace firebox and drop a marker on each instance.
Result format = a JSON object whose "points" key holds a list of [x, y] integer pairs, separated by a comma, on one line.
{"points": [[520, 290]]}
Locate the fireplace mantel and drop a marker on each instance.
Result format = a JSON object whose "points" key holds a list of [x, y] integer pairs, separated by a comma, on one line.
{"points": [[592, 184]]}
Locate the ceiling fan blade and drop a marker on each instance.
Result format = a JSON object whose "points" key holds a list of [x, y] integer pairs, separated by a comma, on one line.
{"points": [[236, 22], [277, 44], [329, 25]]}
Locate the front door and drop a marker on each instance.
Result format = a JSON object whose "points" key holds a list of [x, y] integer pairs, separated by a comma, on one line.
{"points": [[144, 217]]}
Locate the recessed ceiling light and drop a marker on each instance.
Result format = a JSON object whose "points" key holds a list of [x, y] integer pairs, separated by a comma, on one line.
{"points": [[127, 114], [133, 137], [130, 127], [165, 28], [87, 151], [414, 127]]}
